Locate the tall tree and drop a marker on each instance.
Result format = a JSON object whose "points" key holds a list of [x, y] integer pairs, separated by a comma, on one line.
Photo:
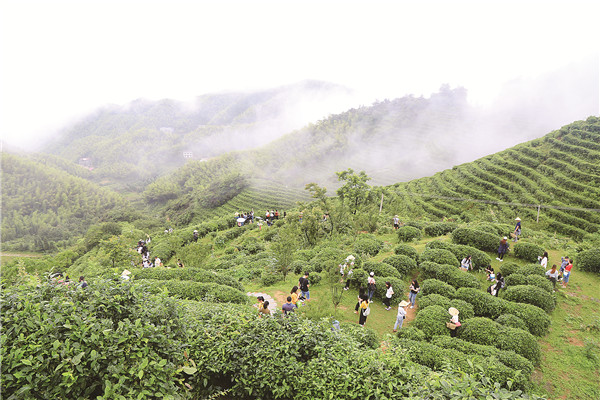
{"points": [[355, 190]]}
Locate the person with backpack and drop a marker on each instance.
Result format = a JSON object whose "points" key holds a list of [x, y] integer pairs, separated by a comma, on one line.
{"points": [[371, 285], [304, 284]]}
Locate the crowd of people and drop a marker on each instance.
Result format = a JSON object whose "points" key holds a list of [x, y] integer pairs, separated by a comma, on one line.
{"points": [[248, 217]]}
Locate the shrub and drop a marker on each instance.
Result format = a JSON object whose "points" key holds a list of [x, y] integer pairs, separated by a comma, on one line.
{"points": [[314, 278], [381, 269], [515, 279], [487, 332], [328, 257], [367, 245], [404, 264], [188, 274], [527, 251], [196, 291], [509, 268], [484, 305], [397, 285], [478, 258], [439, 228], [465, 309], [439, 256], [411, 333], [269, 278], [408, 233], [531, 295], [589, 260], [429, 286], [537, 320], [532, 269], [359, 278], [479, 239], [305, 254], [407, 250], [449, 274], [363, 335], [432, 321], [512, 321], [540, 281]]}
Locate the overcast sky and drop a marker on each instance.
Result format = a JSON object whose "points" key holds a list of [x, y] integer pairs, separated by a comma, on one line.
{"points": [[61, 59]]}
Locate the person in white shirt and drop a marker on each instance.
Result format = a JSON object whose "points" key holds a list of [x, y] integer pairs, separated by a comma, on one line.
{"points": [[401, 314], [388, 296]]}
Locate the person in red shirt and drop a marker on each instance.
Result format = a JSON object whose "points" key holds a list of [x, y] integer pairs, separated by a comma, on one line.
{"points": [[567, 273]]}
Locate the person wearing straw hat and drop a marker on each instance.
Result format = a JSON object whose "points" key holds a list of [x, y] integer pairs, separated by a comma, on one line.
{"points": [[396, 222], [454, 323], [401, 314], [125, 275], [517, 231]]}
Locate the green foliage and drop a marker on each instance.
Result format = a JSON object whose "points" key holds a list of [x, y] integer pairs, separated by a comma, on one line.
{"points": [[487, 332], [432, 321], [411, 333], [509, 268], [512, 321], [355, 190], [484, 305], [187, 274], [528, 251], [589, 260], [367, 245], [465, 309], [328, 257], [449, 274], [531, 295], [439, 256], [208, 291], [531, 269], [397, 285], [109, 340], [381, 269], [404, 264], [478, 258], [270, 278], [430, 286], [407, 250], [408, 233], [439, 228], [539, 281], [363, 335], [479, 239], [515, 279]]}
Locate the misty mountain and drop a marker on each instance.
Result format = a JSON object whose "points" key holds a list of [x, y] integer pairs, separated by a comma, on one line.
{"points": [[131, 145]]}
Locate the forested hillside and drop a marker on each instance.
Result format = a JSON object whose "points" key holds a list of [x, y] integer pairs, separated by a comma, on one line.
{"points": [[44, 207], [559, 173]]}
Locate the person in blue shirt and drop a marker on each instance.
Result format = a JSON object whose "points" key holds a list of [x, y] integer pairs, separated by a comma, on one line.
{"points": [[517, 231]]}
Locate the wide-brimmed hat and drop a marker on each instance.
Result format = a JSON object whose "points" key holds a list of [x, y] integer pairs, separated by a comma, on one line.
{"points": [[517, 219], [126, 272], [372, 273], [452, 311], [403, 303]]}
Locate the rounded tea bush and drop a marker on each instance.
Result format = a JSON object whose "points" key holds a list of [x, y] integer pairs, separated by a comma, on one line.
{"points": [[397, 285], [540, 281], [531, 295], [450, 274], [381, 269], [367, 245], [411, 333], [404, 264], [508, 268], [429, 286], [439, 228], [439, 256], [537, 320], [527, 251], [407, 250], [532, 269], [465, 309], [484, 305], [515, 279], [513, 321], [432, 321], [479, 239], [408, 233], [589, 260]]}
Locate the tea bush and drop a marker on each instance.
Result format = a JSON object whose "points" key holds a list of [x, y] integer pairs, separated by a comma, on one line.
{"points": [[478, 258], [432, 321], [531, 295], [367, 245], [515, 279], [407, 250], [408, 233], [328, 257], [449, 274], [359, 278], [397, 285], [465, 309], [439, 256], [512, 321], [439, 228], [196, 290], [404, 264], [484, 331], [363, 335], [509, 268], [381, 269], [479, 239], [188, 274], [410, 333], [532, 269], [431, 286], [484, 305], [540, 281], [527, 251], [537, 320], [589, 260]]}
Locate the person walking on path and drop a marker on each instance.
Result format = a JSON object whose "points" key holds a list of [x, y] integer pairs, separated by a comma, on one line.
{"points": [[371, 285], [401, 315], [517, 231], [502, 249], [388, 296], [304, 284], [414, 290], [294, 295]]}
